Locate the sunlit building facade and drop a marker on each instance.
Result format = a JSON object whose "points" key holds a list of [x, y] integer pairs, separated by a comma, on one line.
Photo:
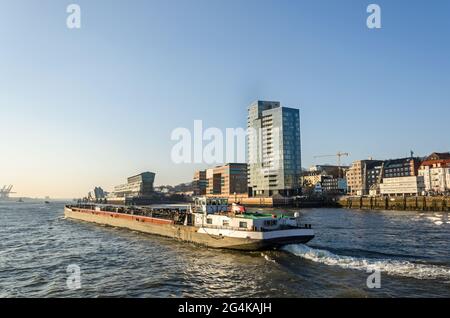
{"points": [[274, 149]]}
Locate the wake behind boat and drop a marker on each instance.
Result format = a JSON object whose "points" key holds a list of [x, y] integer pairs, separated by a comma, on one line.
{"points": [[210, 222]]}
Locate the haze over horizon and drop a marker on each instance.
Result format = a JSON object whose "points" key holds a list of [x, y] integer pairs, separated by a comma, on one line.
{"points": [[90, 107]]}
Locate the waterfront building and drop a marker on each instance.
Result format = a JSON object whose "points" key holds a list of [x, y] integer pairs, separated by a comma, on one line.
{"points": [[435, 170], [183, 189], [99, 193], [311, 182], [138, 187], [332, 185], [392, 168], [331, 170], [362, 176], [273, 145], [200, 182], [222, 181], [321, 182], [409, 185], [329, 177], [163, 189], [374, 174], [311, 178], [403, 167]]}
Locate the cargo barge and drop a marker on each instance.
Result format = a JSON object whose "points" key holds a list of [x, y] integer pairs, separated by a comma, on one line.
{"points": [[211, 222]]}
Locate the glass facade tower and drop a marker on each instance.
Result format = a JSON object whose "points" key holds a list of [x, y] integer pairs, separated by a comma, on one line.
{"points": [[274, 149]]}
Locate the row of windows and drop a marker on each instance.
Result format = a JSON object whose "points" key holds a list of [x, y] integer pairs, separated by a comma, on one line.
{"points": [[227, 223], [398, 169], [390, 175]]}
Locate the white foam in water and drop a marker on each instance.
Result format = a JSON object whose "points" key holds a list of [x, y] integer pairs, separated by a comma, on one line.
{"points": [[391, 267]]}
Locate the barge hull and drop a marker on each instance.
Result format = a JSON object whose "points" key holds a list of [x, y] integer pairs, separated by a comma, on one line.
{"points": [[181, 232]]}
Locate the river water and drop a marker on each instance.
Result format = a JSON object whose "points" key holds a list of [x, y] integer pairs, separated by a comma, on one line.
{"points": [[410, 250]]}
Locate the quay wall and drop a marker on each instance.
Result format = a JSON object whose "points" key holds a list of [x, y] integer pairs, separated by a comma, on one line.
{"points": [[251, 201], [270, 202], [419, 203]]}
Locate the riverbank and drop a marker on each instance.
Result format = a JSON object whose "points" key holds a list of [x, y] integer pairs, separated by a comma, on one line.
{"points": [[287, 202], [420, 203]]}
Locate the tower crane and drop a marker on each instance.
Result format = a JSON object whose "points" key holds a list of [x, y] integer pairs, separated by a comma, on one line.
{"points": [[339, 154]]}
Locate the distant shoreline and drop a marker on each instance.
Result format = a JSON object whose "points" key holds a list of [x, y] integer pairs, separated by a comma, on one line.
{"points": [[25, 200]]}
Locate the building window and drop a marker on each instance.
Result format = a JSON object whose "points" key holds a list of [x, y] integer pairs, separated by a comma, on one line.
{"points": [[243, 224], [209, 221]]}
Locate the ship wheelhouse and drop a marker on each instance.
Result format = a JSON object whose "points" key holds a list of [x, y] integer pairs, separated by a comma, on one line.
{"points": [[210, 205], [210, 212]]}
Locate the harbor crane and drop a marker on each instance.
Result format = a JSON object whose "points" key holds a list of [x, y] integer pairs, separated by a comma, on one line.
{"points": [[339, 154], [5, 191]]}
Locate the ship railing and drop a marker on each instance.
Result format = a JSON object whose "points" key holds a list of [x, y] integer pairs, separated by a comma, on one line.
{"points": [[232, 228], [262, 229]]}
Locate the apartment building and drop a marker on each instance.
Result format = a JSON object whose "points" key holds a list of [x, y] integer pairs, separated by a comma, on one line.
{"points": [[199, 183], [222, 181], [362, 175], [273, 145], [435, 170]]}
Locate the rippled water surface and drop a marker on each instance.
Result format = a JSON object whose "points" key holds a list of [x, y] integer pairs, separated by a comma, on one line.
{"points": [[412, 251]]}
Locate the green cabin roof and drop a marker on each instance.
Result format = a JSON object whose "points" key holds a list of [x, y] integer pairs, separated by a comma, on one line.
{"points": [[255, 216]]}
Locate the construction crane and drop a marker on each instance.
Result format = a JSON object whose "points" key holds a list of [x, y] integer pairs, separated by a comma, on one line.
{"points": [[5, 191], [339, 154]]}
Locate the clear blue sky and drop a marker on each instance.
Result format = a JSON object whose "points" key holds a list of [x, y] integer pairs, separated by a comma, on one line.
{"points": [[87, 107]]}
